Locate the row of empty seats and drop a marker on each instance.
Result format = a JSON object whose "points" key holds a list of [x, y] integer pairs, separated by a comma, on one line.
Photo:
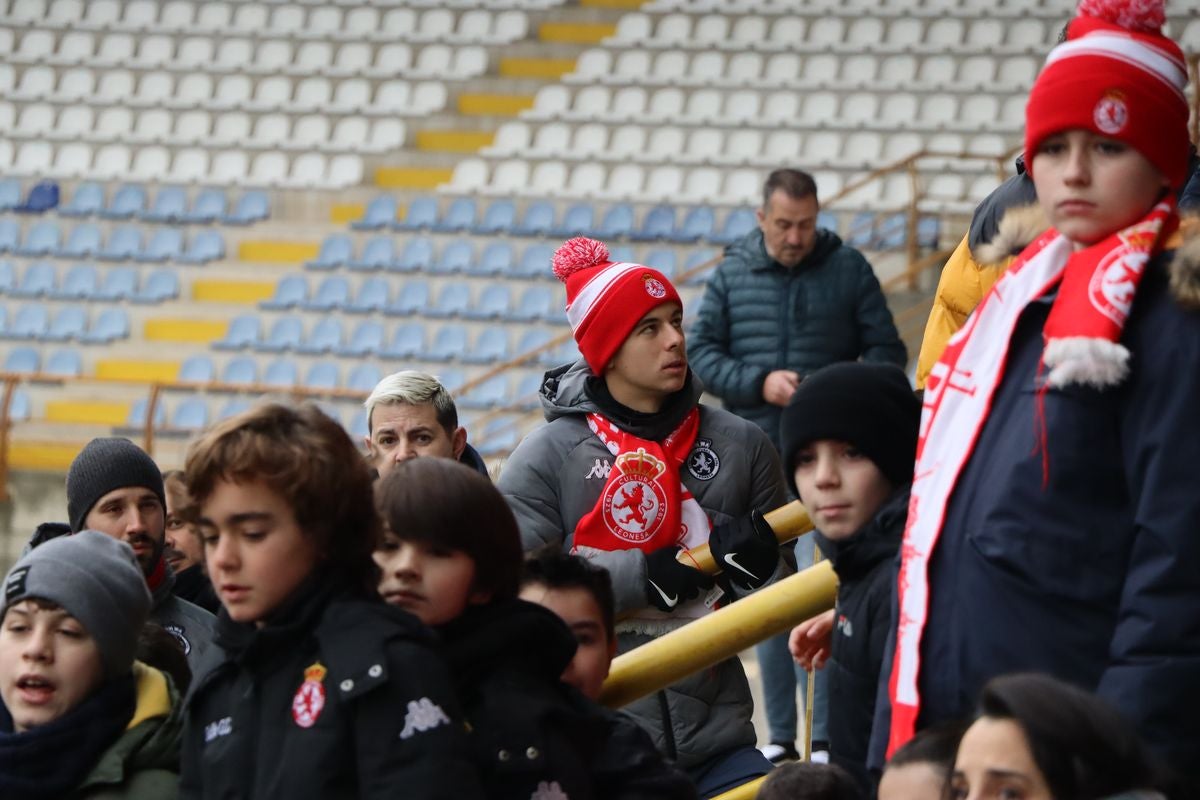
{"points": [[123, 243], [200, 90], [35, 321], [63, 363], [907, 71], [85, 282], [158, 55], [1046, 9], [276, 19], [307, 170], [170, 203], [206, 129]]}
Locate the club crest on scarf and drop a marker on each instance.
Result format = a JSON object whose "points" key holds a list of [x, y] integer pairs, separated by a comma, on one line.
{"points": [[1115, 280], [634, 505]]}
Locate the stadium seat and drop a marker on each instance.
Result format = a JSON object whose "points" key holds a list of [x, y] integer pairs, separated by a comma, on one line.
{"points": [[165, 245], [455, 257], [526, 393], [737, 224], [31, 321], [459, 217], [190, 415], [536, 303], [197, 369], [336, 251], [367, 339], [378, 253], [119, 283], [10, 194], [65, 363], [408, 341], [128, 201], [497, 259], [449, 344], [658, 224], [499, 436], [10, 235], [697, 225], [372, 296], [135, 420], [364, 377], [37, 281], [80, 283], [124, 243], [664, 260], [412, 298], [170, 205], [111, 324], [209, 206], [617, 222], [494, 302], [421, 214], [281, 373], [538, 219], [42, 239], [452, 301], [332, 293], [491, 346], [205, 246], [491, 393], [322, 375], [242, 370], [380, 213], [22, 360], [285, 334], [42, 197], [500, 217], [325, 337], [159, 286], [535, 262], [243, 331], [417, 256], [532, 339], [253, 206]]}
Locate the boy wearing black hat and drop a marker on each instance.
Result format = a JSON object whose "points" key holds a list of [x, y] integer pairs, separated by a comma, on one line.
{"points": [[849, 442]]}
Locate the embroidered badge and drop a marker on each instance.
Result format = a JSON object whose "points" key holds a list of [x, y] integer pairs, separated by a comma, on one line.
{"points": [[310, 697], [634, 505], [177, 632], [423, 715], [15, 587], [703, 462], [654, 287], [1111, 114]]}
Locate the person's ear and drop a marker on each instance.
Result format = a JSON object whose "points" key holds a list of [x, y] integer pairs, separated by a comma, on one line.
{"points": [[458, 441]]}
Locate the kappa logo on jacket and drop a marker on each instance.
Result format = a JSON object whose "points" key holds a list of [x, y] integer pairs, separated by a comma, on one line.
{"points": [[601, 468], [215, 730], [423, 715], [549, 791]]}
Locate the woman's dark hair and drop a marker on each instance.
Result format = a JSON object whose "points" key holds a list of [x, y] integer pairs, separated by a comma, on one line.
{"points": [[1083, 747], [439, 501]]}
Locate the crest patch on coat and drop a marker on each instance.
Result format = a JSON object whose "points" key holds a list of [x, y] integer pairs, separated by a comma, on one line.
{"points": [[177, 632], [703, 462], [310, 697]]}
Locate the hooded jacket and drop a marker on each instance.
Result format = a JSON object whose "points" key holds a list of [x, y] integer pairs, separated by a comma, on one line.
{"points": [[190, 624], [555, 477], [758, 316]]}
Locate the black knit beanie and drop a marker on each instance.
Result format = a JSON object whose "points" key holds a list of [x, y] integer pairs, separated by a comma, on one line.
{"points": [[103, 466], [871, 406]]}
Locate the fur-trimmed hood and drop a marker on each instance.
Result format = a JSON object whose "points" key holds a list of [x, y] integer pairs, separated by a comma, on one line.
{"points": [[1021, 224]]}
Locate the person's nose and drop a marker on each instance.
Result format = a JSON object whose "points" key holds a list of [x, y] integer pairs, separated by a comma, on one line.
{"points": [[404, 451], [408, 562], [1078, 168], [827, 473], [222, 556], [37, 646]]}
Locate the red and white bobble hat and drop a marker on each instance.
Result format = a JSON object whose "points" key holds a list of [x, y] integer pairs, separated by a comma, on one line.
{"points": [[1118, 76], [606, 299]]}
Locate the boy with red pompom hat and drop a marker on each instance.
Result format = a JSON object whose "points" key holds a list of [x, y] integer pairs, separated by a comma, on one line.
{"points": [[631, 472], [1054, 513]]}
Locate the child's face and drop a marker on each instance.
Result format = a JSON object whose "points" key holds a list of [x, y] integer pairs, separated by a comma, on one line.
{"points": [[920, 780], [578, 608], [1091, 186], [257, 554], [433, 583], [48, 664], [840, 487]]}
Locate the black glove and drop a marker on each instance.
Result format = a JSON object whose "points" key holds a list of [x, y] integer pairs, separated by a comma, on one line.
{"points": [[746, 550], [670, 584]]}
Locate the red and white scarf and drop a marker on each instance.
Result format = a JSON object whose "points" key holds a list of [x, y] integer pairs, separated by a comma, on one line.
{"points": [[644, 504], [1082, 336]]}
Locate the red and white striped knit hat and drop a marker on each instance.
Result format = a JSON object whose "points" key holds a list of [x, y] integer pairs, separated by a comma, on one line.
{"points": [[605, 299], [1118, 76]]}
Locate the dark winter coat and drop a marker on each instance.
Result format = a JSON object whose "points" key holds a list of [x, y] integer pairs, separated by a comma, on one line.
{"points": [[865, 565], [758, 316], [190, 624], [193, 585], [380, 721]]}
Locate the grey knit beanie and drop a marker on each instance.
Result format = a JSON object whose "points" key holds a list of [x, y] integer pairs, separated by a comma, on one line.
{"points": [[96, 580], [105, 465]]}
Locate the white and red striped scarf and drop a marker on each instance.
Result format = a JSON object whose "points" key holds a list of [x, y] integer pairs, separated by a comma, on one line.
{"points": [[1082, 336]]}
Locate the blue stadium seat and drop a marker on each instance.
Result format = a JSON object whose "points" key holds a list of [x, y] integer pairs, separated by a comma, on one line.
{"points": [[197, 369], [366, 340], [204, 246], [534, 263], [417, 256], [364, 377], [664, 260], [358, 425], [693, 262], [459, 217], [65, 363], [412, 299], [455, 257], [38, 281], [253, 206], [235, 406], [42, 197], [84, 241], [333, 292], [120, 283], [527, 393], [579, 220], [538, 220], [281, 374], [325, 337], [10, 194], [891, 232], [421, 214], [532, 339], [617, 223], [10, 235], [499, 436], [3, 322], [136, 419], [111, 324], [495, 301], [330, 410], [22, 360], [491, 393], [491, 345], [380, 213], [928, 232], [372, 296], [165, 245], [286, 334], [8, 276], [209, 206], [69, 323], [565, 353], [452, 301], [408, 341], [658, 224], [378, 253], [452, 378], [500, 217], [861, 231], [243, 331], [536, 303], [241, 370], [129, 200], [322, 375], [291, 291], [87, 200], [170, 205], [497, 259], [160, 286], [737, 224], [190, 415], [42, 239], [31, 321], [123, 244], [698, 225], [827, 220], [336, 251]]}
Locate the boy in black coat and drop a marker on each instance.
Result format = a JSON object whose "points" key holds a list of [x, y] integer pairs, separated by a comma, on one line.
{"points": [[850, 438]]}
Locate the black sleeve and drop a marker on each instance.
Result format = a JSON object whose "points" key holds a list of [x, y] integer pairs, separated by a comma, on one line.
{"points": [[630, 768]]}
